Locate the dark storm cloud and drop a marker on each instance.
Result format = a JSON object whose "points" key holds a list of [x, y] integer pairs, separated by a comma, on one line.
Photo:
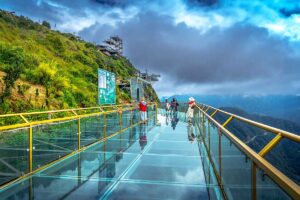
{"points": [[241, 53], [202, 2], [288, 12], [33, 9], [120, 3]]}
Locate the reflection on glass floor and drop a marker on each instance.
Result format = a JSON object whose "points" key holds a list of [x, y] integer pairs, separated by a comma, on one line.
{"points": [[144, 162]]}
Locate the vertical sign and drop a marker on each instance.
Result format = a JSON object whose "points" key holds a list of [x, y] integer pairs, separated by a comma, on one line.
{"points": [[106, 87], [136, 89]]}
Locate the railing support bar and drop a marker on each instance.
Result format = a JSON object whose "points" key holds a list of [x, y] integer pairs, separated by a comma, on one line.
{"points": [[214, 113], [270, 145], [74, 112], [227, 121], [24, 118], [206, 110]]}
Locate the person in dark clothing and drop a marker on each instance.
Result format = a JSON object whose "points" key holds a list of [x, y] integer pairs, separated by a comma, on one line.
{"points": [[174, 121]]}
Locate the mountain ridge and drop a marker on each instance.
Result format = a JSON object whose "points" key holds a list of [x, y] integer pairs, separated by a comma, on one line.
{"points": [[279, 106]]}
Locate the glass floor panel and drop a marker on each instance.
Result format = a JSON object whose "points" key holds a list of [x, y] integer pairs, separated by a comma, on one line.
{"points": [[143, 162], [178, 169], [174, 148], [128, 190]]}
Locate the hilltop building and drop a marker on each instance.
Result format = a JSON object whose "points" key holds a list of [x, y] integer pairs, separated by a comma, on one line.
{"points": [[112, 46]]}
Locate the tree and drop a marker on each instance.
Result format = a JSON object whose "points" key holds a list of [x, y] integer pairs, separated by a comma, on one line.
{"points": [[47, 24], [13, 58], [45, 74]]}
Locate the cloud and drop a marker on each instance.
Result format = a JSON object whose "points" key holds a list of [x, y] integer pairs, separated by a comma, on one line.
{"points": [[192, 176], [205, 46], [239, 56], [72, 16], [202, 2]]}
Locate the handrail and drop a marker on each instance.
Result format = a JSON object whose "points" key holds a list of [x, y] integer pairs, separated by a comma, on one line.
{"points": [[63, 110], [274, 130], [292, 188], [58, 119], [23, 116]]}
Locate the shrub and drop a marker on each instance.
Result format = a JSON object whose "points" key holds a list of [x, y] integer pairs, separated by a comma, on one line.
{"points": [[46, 24], [56, 44], [69, 98], [23, 88], [13, 60]]}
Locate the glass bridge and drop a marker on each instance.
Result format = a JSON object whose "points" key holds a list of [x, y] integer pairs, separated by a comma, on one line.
{"points": [[115, 156]]}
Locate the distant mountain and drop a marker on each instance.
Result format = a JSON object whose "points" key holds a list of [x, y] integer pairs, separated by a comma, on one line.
{"points": [[280, 106], [285, 156]]}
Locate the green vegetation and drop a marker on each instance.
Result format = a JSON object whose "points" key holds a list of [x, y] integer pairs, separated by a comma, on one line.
{"points": [[45, 69]]}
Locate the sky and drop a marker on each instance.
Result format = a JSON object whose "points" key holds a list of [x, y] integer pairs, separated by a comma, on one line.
{"points": [[224, 47]]}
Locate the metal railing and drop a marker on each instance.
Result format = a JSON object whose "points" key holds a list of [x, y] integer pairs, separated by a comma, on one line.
{"points": [[257, 159], [91, 125]]}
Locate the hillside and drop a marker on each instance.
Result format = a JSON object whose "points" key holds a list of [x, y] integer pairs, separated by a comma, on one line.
{"points": [[45, 69]]}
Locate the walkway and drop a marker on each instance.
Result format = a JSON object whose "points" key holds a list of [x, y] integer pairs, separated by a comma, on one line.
{"points": [[144, 162]]}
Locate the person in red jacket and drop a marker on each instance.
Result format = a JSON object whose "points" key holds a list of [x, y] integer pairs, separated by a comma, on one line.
{"points": [[143, 110]]}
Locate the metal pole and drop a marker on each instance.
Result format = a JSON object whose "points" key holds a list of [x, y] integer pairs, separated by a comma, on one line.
{"points": [[79, 169], [220, 154], [30, 148], [130, 117], [104, 124], [156, 113], [253, 180], [31, 194], [120, 118], [78, 133]]}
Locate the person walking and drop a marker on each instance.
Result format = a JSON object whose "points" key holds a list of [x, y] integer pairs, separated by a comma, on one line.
{"points": [[190, 131], [143, 110], [190, 110], [174, 106], [167, 107]]}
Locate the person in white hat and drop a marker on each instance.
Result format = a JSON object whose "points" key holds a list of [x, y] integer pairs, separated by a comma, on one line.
{"points": [[190, 111]]}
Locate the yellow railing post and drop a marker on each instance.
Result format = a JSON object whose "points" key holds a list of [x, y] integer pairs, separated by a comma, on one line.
{"points": [[220, 152], [31, 195], [78, 133], [30, 149], [156, 112], [253, 181], [121, 119], [208, 133], [130, 117], [139, 117], [104, 124]]}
